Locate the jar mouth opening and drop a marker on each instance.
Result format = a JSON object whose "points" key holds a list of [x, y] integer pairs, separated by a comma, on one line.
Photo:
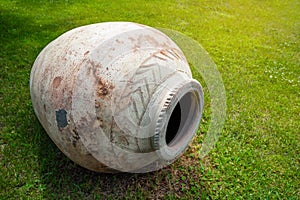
{"points": [[186, 113], [173, 125], [179, 119]]}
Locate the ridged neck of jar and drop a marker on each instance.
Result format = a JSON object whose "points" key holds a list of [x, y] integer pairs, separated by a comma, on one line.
{"points": [[179, 103]]}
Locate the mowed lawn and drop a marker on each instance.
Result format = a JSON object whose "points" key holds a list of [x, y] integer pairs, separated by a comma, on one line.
{"points": [[256, 47]]}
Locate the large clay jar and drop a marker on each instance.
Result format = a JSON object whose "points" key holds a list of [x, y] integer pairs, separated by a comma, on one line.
{"points": [[116, 96]]}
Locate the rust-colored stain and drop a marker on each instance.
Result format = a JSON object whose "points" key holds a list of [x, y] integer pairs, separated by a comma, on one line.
{"points": [[86, 53], [104, 88], [56, 82], [97, 104], [166, 54], [99, 119]]}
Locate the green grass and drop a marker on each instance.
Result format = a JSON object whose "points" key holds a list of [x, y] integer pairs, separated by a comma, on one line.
{"points": [[256, 46]]}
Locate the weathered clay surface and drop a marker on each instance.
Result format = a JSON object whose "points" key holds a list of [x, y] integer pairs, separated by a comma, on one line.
{"points": [[95, 88]]}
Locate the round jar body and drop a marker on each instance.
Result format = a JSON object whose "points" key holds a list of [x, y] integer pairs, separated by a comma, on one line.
{"points": [[116, 96]]}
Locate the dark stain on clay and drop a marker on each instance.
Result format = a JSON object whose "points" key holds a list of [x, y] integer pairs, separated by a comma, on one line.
{"points": [[99, 119], [86, 53], [75, 136], [92, 70], [97, 104], [61, 118], [104, 88], [56, 82]]}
